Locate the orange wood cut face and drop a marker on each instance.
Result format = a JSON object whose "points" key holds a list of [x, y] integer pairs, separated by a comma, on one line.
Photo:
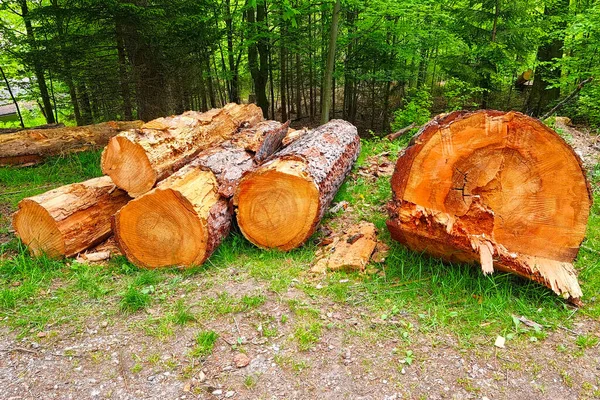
{"points": [[527, 179]]}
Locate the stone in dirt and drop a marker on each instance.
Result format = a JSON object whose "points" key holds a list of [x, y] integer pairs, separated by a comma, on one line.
{"points": [[241, 360], [350, 251]]}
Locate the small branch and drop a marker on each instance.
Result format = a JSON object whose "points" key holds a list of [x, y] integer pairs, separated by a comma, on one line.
{"points": [[397, 134], [568, 98]]}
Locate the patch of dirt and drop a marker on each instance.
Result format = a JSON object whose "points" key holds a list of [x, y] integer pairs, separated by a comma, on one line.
{"points": [[585, 144], [358, 356]]}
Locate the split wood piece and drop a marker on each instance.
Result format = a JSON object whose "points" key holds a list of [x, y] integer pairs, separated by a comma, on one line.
{"points": [[292, 135], [138, 158], [351, 251], [31, 146], [280, 204], [262, 140], [501, 189], [69, 219], [184, 219]]}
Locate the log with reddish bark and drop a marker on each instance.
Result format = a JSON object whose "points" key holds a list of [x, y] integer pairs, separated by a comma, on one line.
{"points": [[501, 189], [31, 146], [183, 220], [280, 203], [69, 219], [139, 158]]}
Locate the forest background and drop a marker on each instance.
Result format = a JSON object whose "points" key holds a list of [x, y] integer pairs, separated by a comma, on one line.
{"points": [[380, 64]]}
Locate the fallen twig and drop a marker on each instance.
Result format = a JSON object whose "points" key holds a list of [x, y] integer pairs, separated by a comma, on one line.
{"points": [[568, 98], [397, 134]]}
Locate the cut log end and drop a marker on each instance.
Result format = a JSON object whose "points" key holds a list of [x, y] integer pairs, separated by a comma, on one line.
{"points": [[278, 206], [38, 230], [164, 228], [128, 165], [501, 189]]}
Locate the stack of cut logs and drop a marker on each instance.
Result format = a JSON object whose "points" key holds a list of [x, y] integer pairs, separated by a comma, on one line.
{"points": [[500, 189], [170, 184]]}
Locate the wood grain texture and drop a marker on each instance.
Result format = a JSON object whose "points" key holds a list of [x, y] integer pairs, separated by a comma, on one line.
{"points": [[137, 159], [280, 203], [69, 219], [185, 218], [498, 188]]}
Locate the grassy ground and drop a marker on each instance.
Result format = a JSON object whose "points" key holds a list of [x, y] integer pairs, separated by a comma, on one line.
{"points": [[410, 295]]}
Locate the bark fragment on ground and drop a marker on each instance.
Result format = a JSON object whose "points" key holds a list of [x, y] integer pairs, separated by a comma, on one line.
{"points": [[352, 250]]}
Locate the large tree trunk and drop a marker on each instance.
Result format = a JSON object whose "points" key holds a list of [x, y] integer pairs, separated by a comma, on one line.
{"points": [[137, 159], [328, 76], [496, 188], [183, 220], [541, 93], [33, 145], [280, 204], [69, 219], [37, 65]]}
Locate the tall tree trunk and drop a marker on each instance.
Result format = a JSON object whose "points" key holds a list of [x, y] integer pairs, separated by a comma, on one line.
{"points": [[234, 92], [327, 80], [123, 78], [37, 65], [258, 46], [487, 64], [263, 51], [66, 62], [311, 83], [147, 68], [211, 90], [282, 76], [541, 95], [86, 107], [12, 97]]}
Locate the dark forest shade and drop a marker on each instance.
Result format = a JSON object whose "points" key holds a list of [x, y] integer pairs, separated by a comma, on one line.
{"points": [[95, 61]]}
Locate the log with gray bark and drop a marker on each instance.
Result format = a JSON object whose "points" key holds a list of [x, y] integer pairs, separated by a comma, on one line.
{"points": [[137, 159], [69, 219], [501, 189], [185, 218], [280, 204], [31, 146]]}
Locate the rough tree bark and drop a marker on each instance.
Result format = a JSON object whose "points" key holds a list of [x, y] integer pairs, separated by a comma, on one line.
{"points": [[37, 65], [69, 219], [280, 204], [137, 159], [501, 189], [33, 145], [328, 76], [183, 220]]}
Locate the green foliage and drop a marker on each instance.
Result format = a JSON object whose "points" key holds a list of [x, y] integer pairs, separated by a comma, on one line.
{"points": [[415, 111], [461, 95]]}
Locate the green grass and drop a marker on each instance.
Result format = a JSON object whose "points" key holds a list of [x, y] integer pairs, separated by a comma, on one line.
{"points": [[412, 288], [205, 341]]}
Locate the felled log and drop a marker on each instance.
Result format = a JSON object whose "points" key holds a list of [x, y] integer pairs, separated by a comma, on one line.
{"points": [[138, 158], [501, 189], [183, 220], [4, 131], [31, 146], [69, 219], [280, 204]]}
